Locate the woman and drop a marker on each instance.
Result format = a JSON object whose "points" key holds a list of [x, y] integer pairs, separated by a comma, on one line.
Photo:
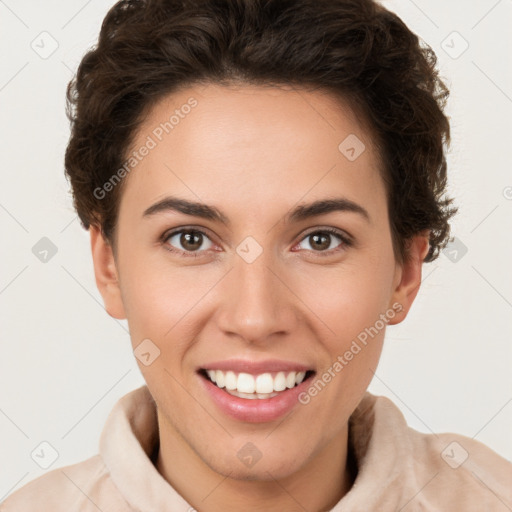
{"points": [[262, 182]]}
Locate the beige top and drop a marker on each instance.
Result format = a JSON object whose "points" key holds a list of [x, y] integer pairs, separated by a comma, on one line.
{"points": [[398, 469]]}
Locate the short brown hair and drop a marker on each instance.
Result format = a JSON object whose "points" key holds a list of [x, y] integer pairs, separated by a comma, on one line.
{"points": [[355, 49]]}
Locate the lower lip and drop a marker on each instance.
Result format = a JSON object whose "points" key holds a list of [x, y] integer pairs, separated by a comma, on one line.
{"points": [[255, 410]]}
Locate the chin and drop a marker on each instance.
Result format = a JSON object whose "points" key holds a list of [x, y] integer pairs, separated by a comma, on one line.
{"points": [[273, 468]]}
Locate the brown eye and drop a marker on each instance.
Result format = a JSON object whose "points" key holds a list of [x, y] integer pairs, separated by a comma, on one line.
{"points": [[187, 241], [321, 241]]}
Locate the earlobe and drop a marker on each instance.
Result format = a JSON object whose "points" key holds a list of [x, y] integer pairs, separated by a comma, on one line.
{"points": [[106, 274], [409, 276]]}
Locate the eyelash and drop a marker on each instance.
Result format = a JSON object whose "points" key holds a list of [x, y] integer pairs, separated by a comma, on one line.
{"points": [[346, 241]]}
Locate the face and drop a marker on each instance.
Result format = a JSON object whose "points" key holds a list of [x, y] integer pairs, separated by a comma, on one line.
{"points": [[284, 304]]}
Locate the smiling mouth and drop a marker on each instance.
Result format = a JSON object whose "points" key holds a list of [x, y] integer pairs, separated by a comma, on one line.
{"points": [[260, 386]]}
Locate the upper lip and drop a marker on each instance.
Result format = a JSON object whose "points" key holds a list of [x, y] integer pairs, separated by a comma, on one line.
{"points": [[256, 367]]}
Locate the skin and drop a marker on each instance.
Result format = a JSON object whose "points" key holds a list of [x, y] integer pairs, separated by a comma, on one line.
{"points": [[255, 153]]}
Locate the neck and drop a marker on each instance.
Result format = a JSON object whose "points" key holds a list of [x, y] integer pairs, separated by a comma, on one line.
{"points": [[317, 486]]}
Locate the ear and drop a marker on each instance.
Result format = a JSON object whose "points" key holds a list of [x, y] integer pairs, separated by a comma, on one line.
{"points": [[106, 275], [408, 276]]}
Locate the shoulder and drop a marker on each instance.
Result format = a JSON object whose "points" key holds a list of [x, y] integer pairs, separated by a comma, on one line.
{"points": [[455, 472], [467, 473], [84, 486]]}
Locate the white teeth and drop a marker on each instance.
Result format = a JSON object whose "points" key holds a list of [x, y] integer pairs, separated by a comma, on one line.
{"points": [[252, 396], [230, 381], [245, 383], [219, 378], [264, 383], [260, 386], [267, 395], [280, 382], [290, 380]]}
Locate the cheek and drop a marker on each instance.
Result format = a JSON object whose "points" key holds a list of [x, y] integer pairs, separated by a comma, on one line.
{"points": [[349, 298], [161, 297]]}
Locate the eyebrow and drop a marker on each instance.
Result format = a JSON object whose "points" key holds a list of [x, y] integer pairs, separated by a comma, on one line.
{"points": [[299, 213]]}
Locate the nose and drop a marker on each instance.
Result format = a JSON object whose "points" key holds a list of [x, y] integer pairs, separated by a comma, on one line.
{"points": [[257, 304]]}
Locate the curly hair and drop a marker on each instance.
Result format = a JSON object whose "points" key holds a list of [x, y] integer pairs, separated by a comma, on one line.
{"points": [[355, 49]]}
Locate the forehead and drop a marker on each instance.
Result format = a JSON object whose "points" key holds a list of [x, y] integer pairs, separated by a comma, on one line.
{"points": [[253, 145]]}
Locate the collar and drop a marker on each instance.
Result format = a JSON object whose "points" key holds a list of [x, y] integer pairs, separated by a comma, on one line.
{"points": [[378, 438]]}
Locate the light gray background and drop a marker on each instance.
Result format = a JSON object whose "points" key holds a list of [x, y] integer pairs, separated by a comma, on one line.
{"points": [[64, 362]]}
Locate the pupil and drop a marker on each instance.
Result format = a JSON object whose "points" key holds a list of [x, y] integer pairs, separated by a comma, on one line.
{"points": [[320, 245], [186, 240]]}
